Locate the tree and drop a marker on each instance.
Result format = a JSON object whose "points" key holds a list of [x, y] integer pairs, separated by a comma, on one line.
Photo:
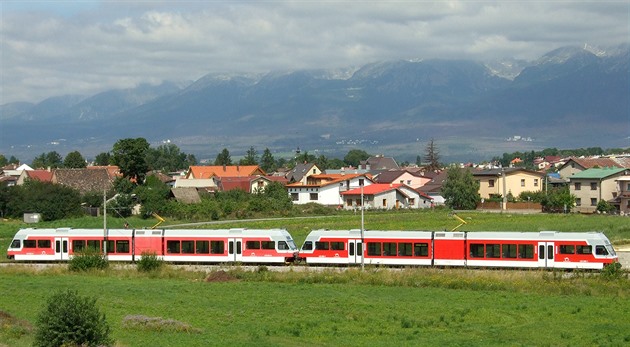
{"points": [[267, 162], [355, 157], [48, 160], [130, 156], [14, 160], [103, 159], [432, 156], [53, 201], [3, 160], [167, 158], [460, 189], [223, 158], [70, 319], [251, 157], [74, 160], [558, 200]]}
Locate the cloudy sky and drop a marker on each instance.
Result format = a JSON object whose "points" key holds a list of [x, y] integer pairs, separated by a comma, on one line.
{"points": [[55, 47]]}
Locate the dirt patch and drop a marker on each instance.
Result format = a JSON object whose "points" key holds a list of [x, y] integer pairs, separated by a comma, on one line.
{"points": [[8, 321], [221, 276]]}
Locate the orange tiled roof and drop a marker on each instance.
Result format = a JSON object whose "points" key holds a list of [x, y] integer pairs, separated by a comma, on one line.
{"points": [[200, 172]]}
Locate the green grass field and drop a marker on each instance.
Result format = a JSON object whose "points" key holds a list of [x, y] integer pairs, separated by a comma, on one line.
{"points": [[377, 307]]}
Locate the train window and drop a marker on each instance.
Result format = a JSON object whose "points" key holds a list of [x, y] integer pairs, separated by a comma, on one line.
{"points": [[252, 245], [601, 250], [110, 247], [509, 251], [307, 246], [188, 247], [336, 246], [493, 250], [322, 246], [584, 249], [389, 248], [43, 243], [268, 245], [16, 244], [282, 245], [567, 249], [550, 252], [203, 247], [30, 244], [421, 249], [404, 249], [217, 247], [374, 248], [122, 246], [476, 250], [172, 247], [94, 245], [78, 245], [526, 251], [541, 252]]}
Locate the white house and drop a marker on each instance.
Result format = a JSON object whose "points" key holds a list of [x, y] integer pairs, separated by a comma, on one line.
{"points": [[326, 189]]}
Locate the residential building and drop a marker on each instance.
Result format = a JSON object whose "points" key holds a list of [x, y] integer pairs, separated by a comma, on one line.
{"points": [[433, 188], [378, 164], [84, 180], [411, 179], [301, 172], [38, 175], [508, 181], [206, 176], [574, 165], [385, 196], [326, 189], [622, 201], [593, 185]]}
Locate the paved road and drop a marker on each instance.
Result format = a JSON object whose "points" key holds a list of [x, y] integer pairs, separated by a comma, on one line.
{"points": [[624, 258]]}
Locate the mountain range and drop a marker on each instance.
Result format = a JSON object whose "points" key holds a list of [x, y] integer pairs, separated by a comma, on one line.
{"points": [[571, 97]]}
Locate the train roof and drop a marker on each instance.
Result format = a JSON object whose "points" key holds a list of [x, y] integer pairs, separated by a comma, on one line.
{"points": [[237, 232], [367, 233], [542, 235]]}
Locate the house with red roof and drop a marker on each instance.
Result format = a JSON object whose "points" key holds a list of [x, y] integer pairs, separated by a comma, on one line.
{"points": [[411, 179], [574, 165], [386, 196], [249, 184], [207, 176], [38, 175], [326, 189]]}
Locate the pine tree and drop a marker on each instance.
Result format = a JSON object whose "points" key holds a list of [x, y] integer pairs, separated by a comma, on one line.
{"points": [[432, 156]]}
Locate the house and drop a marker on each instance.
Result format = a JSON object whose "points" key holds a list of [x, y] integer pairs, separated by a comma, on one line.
{"points": [[622, 201], [385, 196], [411, 179], [38, 175], [379, 163], [300, 172], [206, 176], [507, 181], [593, 185], [9, 175], [249, 184], [326, 189], [574, 165], [433, 188], [84, 180]]}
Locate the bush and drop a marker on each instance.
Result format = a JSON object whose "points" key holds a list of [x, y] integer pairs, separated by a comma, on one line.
{"points": [[149, 262], [88, 259], [71, 319], [612, 271]]}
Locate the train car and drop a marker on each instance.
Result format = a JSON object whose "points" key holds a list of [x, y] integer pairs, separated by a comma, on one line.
{"points": [[546, 249], [195, 245], [344, 247]]}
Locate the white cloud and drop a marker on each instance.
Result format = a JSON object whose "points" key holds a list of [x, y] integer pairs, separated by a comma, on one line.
{"points": [[64, 49]]}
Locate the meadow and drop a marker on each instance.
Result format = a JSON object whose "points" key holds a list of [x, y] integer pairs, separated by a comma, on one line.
{"points": [[379, 307]]}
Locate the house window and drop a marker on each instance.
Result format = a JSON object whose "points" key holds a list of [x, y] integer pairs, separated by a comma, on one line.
{"points": [[295, 197], [349, 202], [313, 196], [412, 202], [578, 202], [361, 181], [401, 181], [593, 201], [535, 182], [408, 182], [522, 182], [628, 187], [577, 185], [314, 172], [593, 185], [384, 202], [491, 183]]}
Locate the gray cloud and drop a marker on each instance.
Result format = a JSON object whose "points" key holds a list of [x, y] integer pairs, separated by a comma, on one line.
{"points": [[63, 49]]}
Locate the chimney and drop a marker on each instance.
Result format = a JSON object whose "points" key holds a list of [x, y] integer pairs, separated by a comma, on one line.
{"points": [[223, 167]]}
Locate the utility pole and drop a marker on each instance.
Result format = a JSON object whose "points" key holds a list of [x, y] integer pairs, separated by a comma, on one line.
{"points": [[504, 207], [362, 228]]}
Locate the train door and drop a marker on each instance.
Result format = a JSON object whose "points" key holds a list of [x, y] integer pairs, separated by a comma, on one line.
{"points": [[546, 254], [355, 251], [235, 249], [61, 248]]}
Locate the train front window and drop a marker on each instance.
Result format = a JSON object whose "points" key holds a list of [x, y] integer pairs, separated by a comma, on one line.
{"points": [[16, 244], [307, 246], [601, 250], [283, 246]]}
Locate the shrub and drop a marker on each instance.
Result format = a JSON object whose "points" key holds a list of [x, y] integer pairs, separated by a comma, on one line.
{"points": [[149, 262], [71, 319], [612, 271], [88, 259]]}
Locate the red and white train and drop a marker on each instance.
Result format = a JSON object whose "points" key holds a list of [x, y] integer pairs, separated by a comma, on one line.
{"points": [[270, 246], [546, 249]]}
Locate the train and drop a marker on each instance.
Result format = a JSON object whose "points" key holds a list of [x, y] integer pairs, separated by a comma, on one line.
{"points": [[478, 249]]}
